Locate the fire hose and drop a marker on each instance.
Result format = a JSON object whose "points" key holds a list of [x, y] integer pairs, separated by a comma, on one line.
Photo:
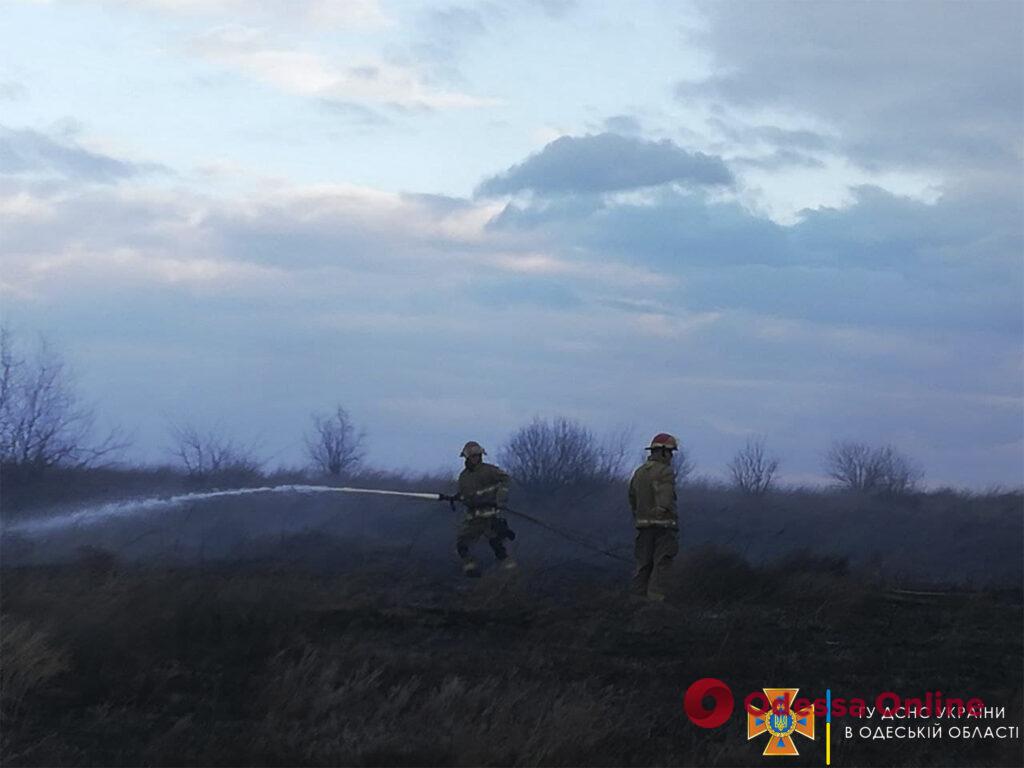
{"points": [[452, 499]]}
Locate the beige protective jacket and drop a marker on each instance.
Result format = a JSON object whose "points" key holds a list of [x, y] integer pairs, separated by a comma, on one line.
{"points": [[652, 495], [483, 488]]}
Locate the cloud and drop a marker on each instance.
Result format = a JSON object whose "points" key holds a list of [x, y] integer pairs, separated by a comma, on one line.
{"points": [[668, 230], [356, 114], [331, 13], [606, 162], [444, 33], [626, 125], [771, 147], [851, 319], [27, 152], [366, 82], [774, 136], [883, 261], [915, 85], [556, 9], [780, 158], [11, 90], [141, 267]]}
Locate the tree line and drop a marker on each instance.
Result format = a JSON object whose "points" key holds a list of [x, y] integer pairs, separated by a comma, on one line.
{"points": [[44, 423]]}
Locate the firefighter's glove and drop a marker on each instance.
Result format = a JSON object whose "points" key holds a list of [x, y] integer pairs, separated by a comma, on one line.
{"points": [[451, 499]]}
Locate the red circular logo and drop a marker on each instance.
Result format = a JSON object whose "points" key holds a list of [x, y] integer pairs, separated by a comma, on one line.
{"points": [[721, 696]]}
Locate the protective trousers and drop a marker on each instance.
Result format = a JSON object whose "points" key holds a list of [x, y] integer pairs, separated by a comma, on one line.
{"points": [[655, 548], [472, 528]]}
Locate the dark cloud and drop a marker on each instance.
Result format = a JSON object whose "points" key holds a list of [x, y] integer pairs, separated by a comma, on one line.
{"points": [[555, 214], [886, 261], [24, 151], [606, 163], [674, 230], [889, 316], [626, 125], [923, 84], [525, 291], [782, 138], [780, 158]]}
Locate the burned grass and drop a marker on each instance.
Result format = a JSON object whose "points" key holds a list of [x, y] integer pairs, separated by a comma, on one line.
{"points": [[389, 661]]}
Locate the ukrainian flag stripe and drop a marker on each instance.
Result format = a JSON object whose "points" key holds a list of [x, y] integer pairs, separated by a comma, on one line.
{"points": [[828, 726]]}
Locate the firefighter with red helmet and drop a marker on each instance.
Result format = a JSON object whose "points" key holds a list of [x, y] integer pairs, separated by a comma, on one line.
{"points": [[483, 489], [652, 498]]}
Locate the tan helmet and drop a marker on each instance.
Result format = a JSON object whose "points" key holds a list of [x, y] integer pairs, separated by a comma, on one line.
{"points": [[472, 448], [665, 441]]}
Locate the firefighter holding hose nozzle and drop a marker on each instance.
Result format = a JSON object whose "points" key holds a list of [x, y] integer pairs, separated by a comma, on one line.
{"points": [[483, 490]]}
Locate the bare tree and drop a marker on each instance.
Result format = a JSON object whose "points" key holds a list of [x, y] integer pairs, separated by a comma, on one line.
{"points": [[851, 465], [549, 454], [204, 454], [752, 470], [878, 470], [614, 451], [683, 464], [43, 422], [335, 446], [898, 473]]}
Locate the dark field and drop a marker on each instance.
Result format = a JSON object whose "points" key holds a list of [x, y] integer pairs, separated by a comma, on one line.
{"points": [[305, 631], [399, 663]]}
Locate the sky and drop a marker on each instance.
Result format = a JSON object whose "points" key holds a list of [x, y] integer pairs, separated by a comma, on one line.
{"points": [[792, 220]]}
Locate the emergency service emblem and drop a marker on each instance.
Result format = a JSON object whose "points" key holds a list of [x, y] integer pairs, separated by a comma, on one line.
{"points": [[780, 722]]}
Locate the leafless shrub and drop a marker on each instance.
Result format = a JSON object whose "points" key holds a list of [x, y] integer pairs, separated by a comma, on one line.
{"points": [[43, 422], [207, 454], [549, 454], [752, 470], [878, 470], [335, 446]]}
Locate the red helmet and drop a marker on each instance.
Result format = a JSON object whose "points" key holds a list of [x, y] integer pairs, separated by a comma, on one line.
{"points": [[665, 441]]}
